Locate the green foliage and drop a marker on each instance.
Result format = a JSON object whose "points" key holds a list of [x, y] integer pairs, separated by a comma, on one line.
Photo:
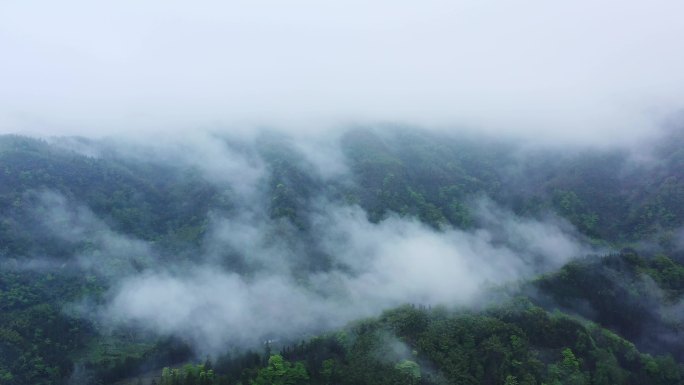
{"points": [[567, 371], [431, 177], [613, 289], [572, 208], [667, 273], [420, 175], [36, 337], [410, 370], [291, 183], [146, 200], [281, 372], [494, 347]]}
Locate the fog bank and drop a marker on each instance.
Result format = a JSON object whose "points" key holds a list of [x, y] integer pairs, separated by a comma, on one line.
{"points": [[582, 71]]}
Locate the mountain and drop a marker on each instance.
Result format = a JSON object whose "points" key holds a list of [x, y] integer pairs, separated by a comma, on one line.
{"points": [[383, 255]]}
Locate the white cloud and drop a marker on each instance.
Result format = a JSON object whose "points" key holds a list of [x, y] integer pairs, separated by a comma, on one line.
{"points": [[582, 70], [376, 266]]}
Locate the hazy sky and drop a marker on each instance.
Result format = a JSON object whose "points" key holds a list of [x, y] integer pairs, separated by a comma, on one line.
{"points": [[573, 69]]}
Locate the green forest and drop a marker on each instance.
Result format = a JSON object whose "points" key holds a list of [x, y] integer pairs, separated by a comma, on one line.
{"points": [[77, 226]]}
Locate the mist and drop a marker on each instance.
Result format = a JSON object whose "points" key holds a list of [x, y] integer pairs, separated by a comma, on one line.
{"points": [[582, 72], [256, 277], [376, 266], [203, 179]]}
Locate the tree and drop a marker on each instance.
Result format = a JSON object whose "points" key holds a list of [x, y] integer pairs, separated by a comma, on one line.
{"points": [[567, 371], [281, 372], [410, 370], [511, 380]]}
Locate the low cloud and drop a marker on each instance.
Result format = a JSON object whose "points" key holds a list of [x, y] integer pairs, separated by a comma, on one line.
{"points": [[98, 248], [375, 266], [603, 73]]}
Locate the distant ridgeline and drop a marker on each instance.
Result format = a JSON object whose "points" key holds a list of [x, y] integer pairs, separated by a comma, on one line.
{"points": [[616, 319]]}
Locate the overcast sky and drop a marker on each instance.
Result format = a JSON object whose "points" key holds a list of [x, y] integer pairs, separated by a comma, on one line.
{"points": [[590, 70]]}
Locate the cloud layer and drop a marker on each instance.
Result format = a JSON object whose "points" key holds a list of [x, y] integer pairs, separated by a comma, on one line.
{"points": [[375, 266], [582, 71]]}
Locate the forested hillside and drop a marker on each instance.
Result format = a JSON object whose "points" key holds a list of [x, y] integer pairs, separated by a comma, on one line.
{"points": [[573, 261]]}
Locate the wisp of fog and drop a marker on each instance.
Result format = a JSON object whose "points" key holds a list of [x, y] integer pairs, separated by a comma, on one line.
{"points": [[250, 280]]}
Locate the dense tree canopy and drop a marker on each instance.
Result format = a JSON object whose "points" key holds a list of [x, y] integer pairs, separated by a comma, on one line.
{"points": [[599, 320]]}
